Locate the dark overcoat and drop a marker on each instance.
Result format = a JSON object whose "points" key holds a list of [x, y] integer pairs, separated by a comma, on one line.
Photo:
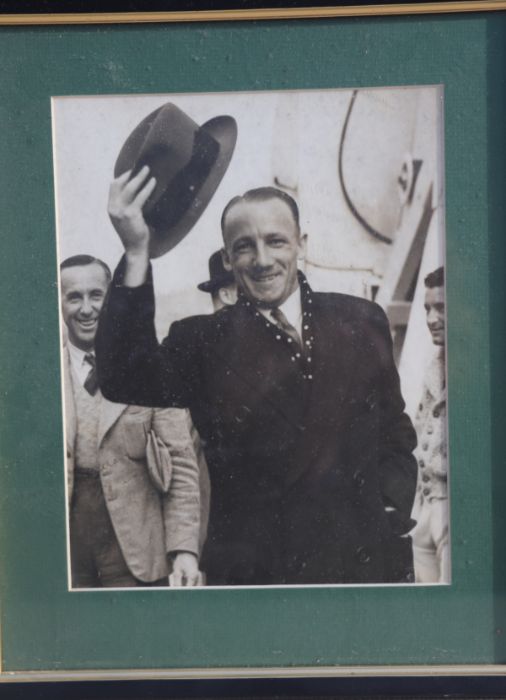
{"points": [[311, 466]]}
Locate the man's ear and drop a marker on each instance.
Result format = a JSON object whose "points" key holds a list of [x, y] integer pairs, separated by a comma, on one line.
{"points": [[226, 260], [228, 295], [302, 246]]}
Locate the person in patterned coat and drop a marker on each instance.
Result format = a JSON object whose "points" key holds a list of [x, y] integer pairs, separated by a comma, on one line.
{"points": [[294, 393], [430, 535]]}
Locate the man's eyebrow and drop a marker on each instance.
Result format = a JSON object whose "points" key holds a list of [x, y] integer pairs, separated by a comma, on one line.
{"points": [[242, 239]]}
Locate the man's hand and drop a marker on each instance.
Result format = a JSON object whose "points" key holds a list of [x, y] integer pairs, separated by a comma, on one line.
{"points": [[126, 199], [185, 570]]}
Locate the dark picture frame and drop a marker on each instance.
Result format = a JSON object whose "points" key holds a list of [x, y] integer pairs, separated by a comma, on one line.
{"points": [[50, 634]]}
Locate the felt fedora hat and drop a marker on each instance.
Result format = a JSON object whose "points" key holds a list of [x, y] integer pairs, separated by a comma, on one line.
{"points": [[188, 162], [218, 276]]}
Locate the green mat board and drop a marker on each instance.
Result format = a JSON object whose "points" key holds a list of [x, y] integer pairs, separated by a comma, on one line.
{"points": [[45, 627]]}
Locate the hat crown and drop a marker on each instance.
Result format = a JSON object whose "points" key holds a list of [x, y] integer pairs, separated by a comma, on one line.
{"points": [[166, 136], [216, 267], [187, 161], [218, 275]]}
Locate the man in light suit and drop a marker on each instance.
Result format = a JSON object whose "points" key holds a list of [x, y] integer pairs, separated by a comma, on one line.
{"points": [[133, 482], [294, 393]]}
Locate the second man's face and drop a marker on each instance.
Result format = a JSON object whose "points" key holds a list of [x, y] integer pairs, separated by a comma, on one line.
{"points": [[262, 244], [83, 290], [435, 310]]}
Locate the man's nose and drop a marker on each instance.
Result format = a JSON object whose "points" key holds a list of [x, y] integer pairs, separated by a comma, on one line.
{"points": [[86, 306], [431, 317], [263, 256]]}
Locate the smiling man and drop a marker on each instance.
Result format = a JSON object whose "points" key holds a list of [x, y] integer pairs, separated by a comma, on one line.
{"points": [[430, 536], [294, 393], [132, 473], [262, 244]]}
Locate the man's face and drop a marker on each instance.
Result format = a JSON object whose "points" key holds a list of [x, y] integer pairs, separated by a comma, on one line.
{"points": [[83, 291], [435, 309], [262, 244]]}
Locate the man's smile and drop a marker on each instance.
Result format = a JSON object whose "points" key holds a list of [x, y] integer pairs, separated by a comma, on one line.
{"points": [[88, 322], [265, 278], [262, 246]]}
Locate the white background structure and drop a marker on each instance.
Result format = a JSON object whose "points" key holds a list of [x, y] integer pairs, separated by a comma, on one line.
{"points": [[292, 140]]}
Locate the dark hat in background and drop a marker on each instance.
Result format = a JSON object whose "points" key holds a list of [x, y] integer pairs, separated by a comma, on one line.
{"points": [[188, 162], [218, 276]]}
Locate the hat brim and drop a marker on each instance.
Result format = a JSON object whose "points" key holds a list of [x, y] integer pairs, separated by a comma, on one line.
{"points": [[217, 283], [224, 130]]}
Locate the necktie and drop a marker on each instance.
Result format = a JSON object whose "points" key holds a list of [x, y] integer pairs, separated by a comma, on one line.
{"points": [[285, 325], [91, 382]]}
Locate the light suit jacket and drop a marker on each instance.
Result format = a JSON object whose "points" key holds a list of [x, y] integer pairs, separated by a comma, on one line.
{"points": [[149, 477]]}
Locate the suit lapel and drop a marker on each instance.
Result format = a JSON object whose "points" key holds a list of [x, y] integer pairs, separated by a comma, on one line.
{"points": [[69, 404], [109, 414]]}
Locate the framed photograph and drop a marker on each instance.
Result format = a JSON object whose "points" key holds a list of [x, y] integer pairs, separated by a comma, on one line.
{"points": [[253, 327]]}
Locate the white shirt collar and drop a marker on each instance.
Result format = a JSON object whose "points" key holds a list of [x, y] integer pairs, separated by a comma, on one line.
{"points": [[79, 365]]}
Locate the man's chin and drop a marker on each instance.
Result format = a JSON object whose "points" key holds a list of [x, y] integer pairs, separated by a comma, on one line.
{"points": [[263, 299], [86, 341]]}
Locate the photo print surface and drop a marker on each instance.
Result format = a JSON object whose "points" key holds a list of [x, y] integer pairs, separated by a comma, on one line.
{"points": [[253, 332]]}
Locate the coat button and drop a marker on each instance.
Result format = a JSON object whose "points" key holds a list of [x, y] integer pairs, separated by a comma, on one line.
{"points": [[421, 463], [425, 478], [358, 478], [426, 491], [435, 413], [242, 414], [363, 555], [425, 446]]}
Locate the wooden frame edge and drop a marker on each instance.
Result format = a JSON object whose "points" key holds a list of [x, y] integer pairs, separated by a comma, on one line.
{"points": [[481, 670], [254, 14], [94, 18]]}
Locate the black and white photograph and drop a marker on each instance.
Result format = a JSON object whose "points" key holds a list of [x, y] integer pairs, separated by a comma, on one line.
{"points": [[253, 330]]}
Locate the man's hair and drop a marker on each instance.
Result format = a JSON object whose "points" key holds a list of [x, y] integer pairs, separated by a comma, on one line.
{"points": [[263, 194], [435, 278], [81, 260]]}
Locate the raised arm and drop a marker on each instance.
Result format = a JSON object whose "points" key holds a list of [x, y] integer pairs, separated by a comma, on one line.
{"points": [[132, 367], [126, 199]]}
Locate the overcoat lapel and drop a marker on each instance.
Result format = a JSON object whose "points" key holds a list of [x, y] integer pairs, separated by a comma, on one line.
{"points": [[247, 350], [333, 362], [332, 371]]}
